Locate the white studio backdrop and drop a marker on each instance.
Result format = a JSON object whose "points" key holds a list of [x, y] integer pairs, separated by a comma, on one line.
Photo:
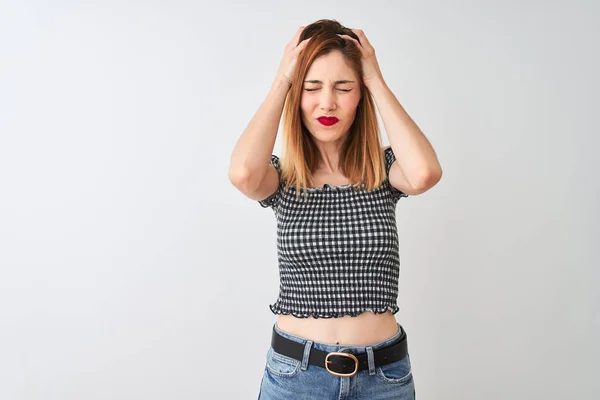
{"points": [[131, 268]]}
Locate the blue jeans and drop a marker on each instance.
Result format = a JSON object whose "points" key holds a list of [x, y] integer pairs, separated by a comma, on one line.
{"points": [[287, 378]]}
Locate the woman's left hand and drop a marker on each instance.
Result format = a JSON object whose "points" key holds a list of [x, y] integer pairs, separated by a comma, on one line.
{"points": [[371, 71]]}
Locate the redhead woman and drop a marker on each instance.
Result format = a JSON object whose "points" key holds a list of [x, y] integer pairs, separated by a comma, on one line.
{"points": [[334, 191]]}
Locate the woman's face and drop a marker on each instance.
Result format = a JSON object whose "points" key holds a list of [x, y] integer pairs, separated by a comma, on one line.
{"points": [[331, 88]]}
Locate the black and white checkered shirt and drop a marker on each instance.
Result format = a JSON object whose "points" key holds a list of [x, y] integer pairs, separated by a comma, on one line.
{"points": [[337, 250]]}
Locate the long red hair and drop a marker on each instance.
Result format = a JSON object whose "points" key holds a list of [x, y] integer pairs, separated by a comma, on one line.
{"points": [[361, 154]]}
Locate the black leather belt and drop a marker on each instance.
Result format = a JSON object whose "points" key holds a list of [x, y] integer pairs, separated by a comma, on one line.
{"points": [[340, 364]]}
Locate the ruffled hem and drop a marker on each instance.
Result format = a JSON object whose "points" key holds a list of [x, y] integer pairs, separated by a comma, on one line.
{"points": [[394, 308], [269, 201]]}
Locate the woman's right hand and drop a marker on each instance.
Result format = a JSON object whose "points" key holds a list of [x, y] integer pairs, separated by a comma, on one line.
{"points": [[290, 56]]}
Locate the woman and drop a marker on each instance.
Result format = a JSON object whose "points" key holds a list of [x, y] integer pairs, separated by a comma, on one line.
{"points": [[334, 196]]}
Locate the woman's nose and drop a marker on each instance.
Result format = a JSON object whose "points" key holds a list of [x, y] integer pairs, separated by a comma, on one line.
{"points": [[327, 100]]}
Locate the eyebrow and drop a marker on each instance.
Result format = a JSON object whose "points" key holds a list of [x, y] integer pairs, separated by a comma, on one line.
{"points": [[336, 82]]}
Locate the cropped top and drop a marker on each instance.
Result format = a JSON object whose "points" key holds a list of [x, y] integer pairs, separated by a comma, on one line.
{"points": [[337, 249]]}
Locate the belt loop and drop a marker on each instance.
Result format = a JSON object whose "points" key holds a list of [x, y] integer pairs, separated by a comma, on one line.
{"points": [[371, 360], [306, 355]]}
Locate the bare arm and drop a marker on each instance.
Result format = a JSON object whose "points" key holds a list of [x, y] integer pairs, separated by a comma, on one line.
{"points": [[249, 169], [418, 168], [249, 163]]}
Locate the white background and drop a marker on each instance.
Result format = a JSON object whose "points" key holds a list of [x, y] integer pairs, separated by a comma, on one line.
{"points": [[131, 268]]}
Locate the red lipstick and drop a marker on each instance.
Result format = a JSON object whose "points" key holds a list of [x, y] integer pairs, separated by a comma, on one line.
{"points": [[327, 121]]}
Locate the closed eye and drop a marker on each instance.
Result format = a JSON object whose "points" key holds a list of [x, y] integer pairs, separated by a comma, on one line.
{"points": [[343, 90]]}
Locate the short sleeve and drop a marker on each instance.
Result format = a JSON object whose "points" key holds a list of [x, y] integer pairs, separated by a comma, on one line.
{"points": [[389, 159], [272, 200]]}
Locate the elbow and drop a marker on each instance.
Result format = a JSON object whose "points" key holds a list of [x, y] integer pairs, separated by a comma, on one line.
{"points": [[428, 179], [243, 180], [238, 178]]}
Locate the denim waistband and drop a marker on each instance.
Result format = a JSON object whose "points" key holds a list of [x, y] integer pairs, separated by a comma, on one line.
{"points": [[329, 347]]}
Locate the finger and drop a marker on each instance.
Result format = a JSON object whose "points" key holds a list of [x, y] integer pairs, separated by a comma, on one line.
{"points": [[362, 36], [351, 38], [297, 35], [301, 45]]}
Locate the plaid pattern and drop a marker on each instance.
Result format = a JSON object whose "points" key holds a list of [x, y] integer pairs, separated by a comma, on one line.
{"points": [[337, 250]]}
